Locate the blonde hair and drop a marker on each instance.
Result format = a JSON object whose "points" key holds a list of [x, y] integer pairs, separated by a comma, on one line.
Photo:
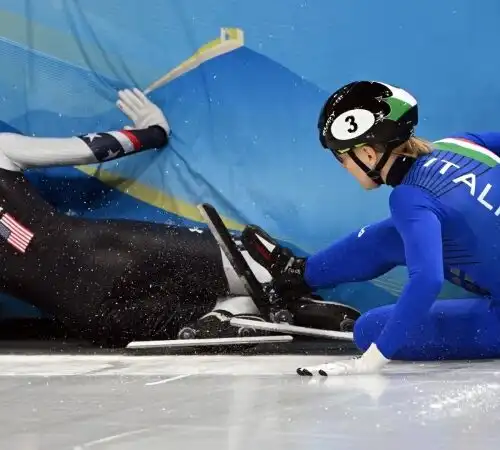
{"points": [[414, 148]]}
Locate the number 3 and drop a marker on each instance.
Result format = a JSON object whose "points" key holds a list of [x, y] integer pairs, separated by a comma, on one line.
{"points": [[353, 125]]}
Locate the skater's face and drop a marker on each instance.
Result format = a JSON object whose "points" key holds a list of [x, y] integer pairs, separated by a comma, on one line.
{"points": [[369, 157]]}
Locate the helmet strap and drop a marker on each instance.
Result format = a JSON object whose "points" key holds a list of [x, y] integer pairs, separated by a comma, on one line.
{"points": [[396, 173], [374, 174]]}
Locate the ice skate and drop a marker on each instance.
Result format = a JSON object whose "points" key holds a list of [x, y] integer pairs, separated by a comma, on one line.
{"points": [[216, 330], [296, 315]]}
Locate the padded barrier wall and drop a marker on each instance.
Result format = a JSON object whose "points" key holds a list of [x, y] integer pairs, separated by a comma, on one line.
{"points": [[242, 84]]}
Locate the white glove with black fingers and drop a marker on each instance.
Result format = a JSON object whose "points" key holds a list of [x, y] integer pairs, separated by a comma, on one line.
{"points": [[372, 361], [140, 110]]}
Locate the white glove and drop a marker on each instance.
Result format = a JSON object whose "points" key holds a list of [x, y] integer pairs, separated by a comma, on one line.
{"points": [[140, 110], [372, 361]]}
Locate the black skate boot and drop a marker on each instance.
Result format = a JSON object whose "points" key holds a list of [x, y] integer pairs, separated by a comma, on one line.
{"points": [[300, 307], [313, 312], [286, 269], [279, 300]]}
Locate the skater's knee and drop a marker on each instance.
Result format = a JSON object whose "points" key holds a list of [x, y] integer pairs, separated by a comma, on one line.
{"points": [[369, 326]]}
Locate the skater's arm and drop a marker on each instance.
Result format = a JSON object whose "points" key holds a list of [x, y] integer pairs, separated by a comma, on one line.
{"points": [[363, 255], [24, 152], [151, 131], [417, 221]]}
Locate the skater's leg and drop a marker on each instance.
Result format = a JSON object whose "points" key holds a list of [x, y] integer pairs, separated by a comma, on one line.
{"points": [[187, 261], [158, 316], [174, 285], [175, 257], [174, 277], [453, 329]]}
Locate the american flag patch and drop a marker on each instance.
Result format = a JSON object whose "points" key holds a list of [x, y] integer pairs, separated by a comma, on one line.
{"points": [[14, 233]]}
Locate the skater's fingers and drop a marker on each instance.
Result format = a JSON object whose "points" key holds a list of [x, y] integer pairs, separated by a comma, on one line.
{"points": [[141, 96], [128, 97], [124, 99], [131, 100], [127, 110], [136, 97]]}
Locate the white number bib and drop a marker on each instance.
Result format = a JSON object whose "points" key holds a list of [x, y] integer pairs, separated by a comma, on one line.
{"points": [[352, 124]]}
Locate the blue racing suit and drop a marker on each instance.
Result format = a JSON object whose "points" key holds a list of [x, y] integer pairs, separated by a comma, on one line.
{"points": [[444, 224]]}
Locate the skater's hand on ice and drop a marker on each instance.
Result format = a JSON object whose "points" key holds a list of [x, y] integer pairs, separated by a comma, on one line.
{"points": [[349, 367], [140, 110], [372, 361]]}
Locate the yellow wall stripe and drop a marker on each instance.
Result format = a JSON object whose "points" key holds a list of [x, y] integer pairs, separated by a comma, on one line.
{"points": [[151, 195]]}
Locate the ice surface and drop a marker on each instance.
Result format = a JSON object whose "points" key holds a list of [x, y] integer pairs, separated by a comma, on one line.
{"points": [[116, 401]]}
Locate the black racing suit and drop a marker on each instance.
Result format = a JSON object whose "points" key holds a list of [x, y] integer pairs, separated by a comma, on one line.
{"points": [[108, 281]]}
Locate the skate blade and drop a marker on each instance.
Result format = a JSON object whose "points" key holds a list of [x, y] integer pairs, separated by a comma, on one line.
{"points": [[178, 343], [292, 329]]}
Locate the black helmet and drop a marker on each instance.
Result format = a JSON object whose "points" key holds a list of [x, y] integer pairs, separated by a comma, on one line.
{"points": [[367, 113]]}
